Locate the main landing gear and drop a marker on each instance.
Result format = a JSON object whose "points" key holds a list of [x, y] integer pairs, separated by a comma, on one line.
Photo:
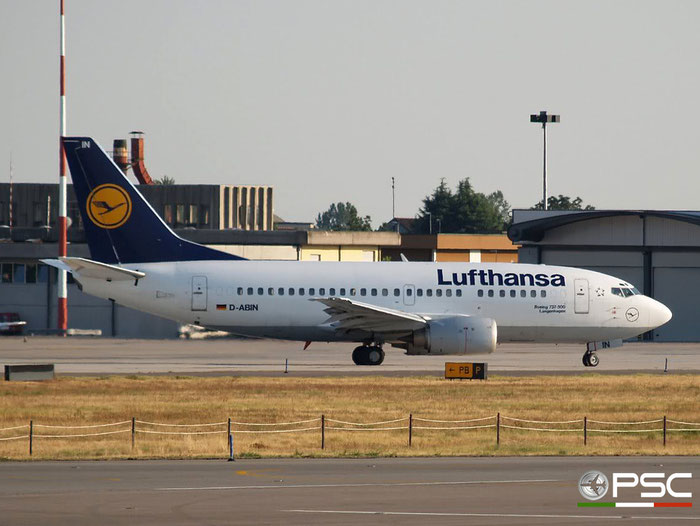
{"points": [[368, 355], [590, 359]]}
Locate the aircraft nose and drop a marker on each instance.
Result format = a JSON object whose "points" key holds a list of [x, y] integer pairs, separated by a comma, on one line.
{"points": [[660, 314]]}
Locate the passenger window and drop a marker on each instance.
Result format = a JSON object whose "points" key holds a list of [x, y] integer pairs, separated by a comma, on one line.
{"points": [[533, 293], [502, 293], [543, 293], [490, 293], [409, 292], [301, 292], [419, 292], [271, 291], [385, 292], [312, 291], [363, 292], [280, 291], [512, 294], [250, 291], [331, 291], [260, 291], [438, 293], [397, 292], [322, 291], [342, 292], [448, 293], [291, 291], [459, 293], [523, 294], [374, 292], [429, 292], [480, 293], [240, 291], [353, 292]]}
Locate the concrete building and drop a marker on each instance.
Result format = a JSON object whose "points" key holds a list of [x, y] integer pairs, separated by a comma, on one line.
{"points": [[657, 251], [188, 205], [454, 247]]}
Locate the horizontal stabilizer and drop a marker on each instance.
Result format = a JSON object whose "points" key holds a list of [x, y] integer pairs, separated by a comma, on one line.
{"points": [[87, 268]]}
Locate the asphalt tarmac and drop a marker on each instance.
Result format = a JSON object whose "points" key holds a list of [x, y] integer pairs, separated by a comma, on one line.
{"points": [[492, 491], [97, 356]]}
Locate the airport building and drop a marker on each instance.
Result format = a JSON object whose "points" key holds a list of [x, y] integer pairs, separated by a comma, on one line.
{"points": [[657, 251]]}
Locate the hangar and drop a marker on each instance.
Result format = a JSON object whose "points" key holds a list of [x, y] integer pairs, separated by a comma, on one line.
{"points": [[657, 251]]}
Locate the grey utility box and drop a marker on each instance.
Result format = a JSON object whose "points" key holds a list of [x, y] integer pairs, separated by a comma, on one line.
{"points": [[29, 373]]}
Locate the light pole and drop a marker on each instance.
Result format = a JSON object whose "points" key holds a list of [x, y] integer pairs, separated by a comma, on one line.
{"points": [[544, 118]]}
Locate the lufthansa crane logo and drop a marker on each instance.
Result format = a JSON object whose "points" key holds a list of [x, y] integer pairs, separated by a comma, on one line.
{"points": [[108, 206], [632, 314]]}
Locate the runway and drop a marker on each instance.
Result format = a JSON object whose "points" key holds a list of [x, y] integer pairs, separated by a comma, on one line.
{"points": [[492, 491], [96, 356]]}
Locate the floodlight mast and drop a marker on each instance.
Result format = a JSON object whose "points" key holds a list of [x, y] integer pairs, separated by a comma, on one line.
{"points": [[544, 117]]}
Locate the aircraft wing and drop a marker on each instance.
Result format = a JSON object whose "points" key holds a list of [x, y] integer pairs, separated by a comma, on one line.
{"points": [[87, 268], [348, 315]]}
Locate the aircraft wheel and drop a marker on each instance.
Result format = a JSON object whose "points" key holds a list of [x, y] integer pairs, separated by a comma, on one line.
{"points": [[585, 361], [359, 355], [375, 355], [593, 360]]}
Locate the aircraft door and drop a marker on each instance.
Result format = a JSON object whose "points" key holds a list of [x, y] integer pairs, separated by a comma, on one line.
{"points": [[581, 296], [409, 294], [199, 293]]}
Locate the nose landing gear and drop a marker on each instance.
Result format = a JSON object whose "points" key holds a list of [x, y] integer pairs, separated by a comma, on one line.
{"points": [[590, 359], [368, 355]]}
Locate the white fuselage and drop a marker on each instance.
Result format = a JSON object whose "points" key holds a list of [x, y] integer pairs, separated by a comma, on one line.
{"points": [[274, 298]]}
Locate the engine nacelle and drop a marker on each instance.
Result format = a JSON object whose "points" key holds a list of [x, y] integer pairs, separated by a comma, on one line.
{"points": [[455, 335]]}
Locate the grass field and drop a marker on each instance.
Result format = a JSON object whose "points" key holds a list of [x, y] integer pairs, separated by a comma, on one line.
{"points": [[187, 400]]}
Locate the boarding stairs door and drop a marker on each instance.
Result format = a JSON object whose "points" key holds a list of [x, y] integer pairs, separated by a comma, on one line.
{"points": [[199, 293], [581, 296]]}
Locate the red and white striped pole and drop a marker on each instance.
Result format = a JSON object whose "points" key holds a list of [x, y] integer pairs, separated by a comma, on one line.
{"points": [[62, 286]]}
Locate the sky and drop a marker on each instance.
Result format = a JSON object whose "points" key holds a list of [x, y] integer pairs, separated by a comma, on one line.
{"points": [[327, 100]]}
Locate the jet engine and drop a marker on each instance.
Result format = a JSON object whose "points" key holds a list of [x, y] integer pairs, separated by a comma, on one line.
{"points": [[455, 335]]}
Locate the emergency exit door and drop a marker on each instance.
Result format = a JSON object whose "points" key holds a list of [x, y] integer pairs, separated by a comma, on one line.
{"points": [[199, 293], [581, 296]]}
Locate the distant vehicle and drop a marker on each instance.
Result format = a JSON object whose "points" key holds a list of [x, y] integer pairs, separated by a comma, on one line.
{"points": [[10, 323], [424, 308]]}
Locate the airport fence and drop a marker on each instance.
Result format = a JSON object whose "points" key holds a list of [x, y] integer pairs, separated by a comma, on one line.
{"points": [[229, 428]]}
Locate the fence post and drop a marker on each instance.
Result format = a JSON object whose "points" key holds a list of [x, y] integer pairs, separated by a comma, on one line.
{"points": [[498, 428], [229, 440], [410, 429], [31, 436], [664, 430], [585, 430], [133, 432], [323, 431]]}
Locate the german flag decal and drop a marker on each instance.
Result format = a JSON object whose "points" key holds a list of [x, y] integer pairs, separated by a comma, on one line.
{"points": [[220, 306]]}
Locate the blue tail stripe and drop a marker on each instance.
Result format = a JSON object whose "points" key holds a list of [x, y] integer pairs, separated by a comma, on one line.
{"points": [[120, 225]]}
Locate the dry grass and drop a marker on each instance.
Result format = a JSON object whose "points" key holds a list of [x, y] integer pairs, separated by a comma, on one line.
{"points": [[84, 401]]}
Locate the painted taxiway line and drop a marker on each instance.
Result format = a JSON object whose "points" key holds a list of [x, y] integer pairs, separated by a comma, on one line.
{"points": [[362, 485], [490, 515]]}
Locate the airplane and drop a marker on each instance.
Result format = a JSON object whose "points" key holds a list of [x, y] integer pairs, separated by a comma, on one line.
{"points": [[424, 308]]}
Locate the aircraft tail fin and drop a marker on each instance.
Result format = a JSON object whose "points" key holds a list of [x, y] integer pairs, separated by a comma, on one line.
{"points": [[120, 225]]}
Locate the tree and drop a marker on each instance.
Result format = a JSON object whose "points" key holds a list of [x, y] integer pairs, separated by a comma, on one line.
{"points": [[463, 211], [343, 216], [563, 202], [165, 180]]}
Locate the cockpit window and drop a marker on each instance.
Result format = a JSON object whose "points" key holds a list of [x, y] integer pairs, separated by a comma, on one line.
{"points": [[624, 292]]}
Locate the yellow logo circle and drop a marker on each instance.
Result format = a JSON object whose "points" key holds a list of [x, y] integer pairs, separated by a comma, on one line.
{"points": [[108, 206]]}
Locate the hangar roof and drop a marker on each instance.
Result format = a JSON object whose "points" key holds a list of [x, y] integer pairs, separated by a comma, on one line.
{"points": [[531, 225]]}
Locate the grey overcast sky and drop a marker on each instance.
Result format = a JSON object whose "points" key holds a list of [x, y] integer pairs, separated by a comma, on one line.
{"points": [[327, 100]]}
